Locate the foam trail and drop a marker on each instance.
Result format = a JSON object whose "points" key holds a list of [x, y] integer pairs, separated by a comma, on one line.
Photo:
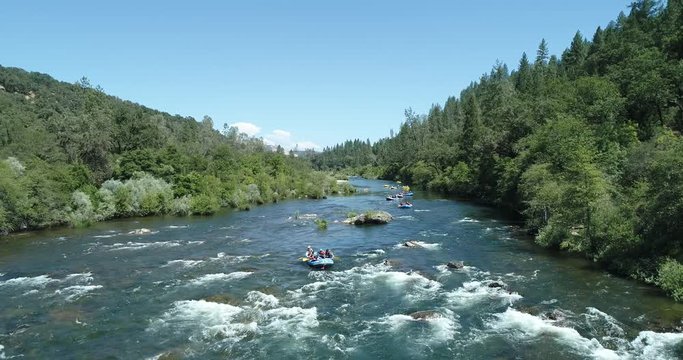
{"points": [[77, 291], [656, 346], [38, 281], [184, 263], [418, 245], [518, 326], [220, 277], [474, 292], [205, 320], [139, 245]]}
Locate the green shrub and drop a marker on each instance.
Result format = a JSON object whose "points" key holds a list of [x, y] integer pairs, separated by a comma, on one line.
{"points": [[82, 212], [181, 206], [204, 204], [670, 278], [322, 224]]}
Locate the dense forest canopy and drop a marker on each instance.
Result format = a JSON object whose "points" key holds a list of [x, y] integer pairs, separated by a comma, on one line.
{"points": [[70, 154], [587, 145]]}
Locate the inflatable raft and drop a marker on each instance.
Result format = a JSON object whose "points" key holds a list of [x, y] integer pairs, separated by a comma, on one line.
{"points": [[320, 263]]}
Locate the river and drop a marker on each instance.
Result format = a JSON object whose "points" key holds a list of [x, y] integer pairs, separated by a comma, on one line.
{"points": [[230, 286]]}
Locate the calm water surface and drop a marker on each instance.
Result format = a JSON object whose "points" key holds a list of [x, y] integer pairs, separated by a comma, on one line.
{"points": [[230, 286]]}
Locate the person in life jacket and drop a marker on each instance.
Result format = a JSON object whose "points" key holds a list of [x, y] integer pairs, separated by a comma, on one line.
{"points": [[309, 252]]}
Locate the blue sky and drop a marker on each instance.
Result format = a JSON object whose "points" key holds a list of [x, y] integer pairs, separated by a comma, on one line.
{"points": [[308, 72]]}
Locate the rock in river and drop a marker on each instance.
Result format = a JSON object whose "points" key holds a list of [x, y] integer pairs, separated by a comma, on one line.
{"points": [[455, 264], [370, 217]]}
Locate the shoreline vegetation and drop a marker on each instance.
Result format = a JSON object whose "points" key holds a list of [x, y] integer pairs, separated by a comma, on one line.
{"points": [[72, 155], [585, 146]]}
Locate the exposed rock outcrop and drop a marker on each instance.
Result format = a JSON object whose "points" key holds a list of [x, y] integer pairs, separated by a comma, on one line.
{"points": [[142, 231], [370, 217], [425, 315], [455, 264], [412, 244]]}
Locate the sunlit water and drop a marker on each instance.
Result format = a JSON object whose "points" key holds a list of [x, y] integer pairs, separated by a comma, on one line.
{"points": [[230, 286]]}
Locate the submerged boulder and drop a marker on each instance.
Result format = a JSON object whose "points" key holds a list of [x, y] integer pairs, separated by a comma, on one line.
{"points": [[222, 299], [391, 262], [142, 231], [370, 217], [455, 264], [412, 244], [555, 315], [425, 315]]}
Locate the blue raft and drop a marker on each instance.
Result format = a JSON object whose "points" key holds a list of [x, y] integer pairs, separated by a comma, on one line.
{"points": [[320, 263]]}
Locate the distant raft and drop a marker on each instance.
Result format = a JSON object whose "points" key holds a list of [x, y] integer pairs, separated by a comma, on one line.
{"points": [[405, 206]]}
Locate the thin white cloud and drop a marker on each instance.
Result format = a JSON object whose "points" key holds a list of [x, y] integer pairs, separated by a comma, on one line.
{"points": [[281, 134], [247, 128], [305, 145], [285, 139]]}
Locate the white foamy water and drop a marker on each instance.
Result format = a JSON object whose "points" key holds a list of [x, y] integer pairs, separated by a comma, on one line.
{"points": [[411, 285], [79, 277], [422, 210], [261, 300], [261, 314], [418, 245], [28, 282], [72, 286], [468, 220], [602, 324], [472, 293], [432, 233], [204, 320], [178, 226], [184, 263], [444, 270], [373, 253], [105, 236], [655, 346], [517, 326], [220, 258], [75, 292], [231, 259], [208, 278], [406, 217], [442, 325], [141, 245], [2, 352]]}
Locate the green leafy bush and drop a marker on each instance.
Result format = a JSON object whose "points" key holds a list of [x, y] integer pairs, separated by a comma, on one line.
{"points": [[322, 223], [670, 278], [204, 204]]}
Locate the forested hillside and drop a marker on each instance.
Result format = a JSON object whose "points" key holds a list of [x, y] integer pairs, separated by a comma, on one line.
{"points": [[70, 154], [587, 145]]}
